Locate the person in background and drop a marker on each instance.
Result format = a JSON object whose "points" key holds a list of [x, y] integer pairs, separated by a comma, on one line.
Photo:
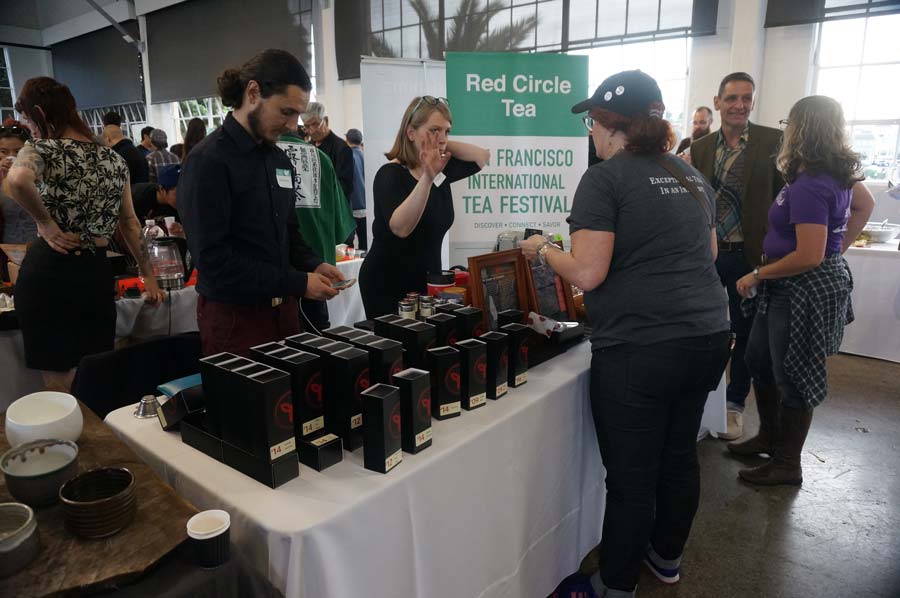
{"points": [[236, 200], [161, 157], [316, 124], [177, 149], [195, 133], [644, 251], [64, 295], [146, 146], [114, 137], [159, 200], [703, 120], [803, 285], [413, 204], [739, 163], [323, 215], [358, 198], [16, 226]]}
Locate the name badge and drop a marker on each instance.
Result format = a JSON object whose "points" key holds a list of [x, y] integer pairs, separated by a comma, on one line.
{"points": [[284, 178]]}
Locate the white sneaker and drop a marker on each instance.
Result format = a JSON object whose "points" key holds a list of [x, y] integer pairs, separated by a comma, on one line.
{"points": [[735, 425]]}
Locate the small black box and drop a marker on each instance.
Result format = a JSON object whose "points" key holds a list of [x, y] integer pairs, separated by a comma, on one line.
{"points": [[197, 432], [445, 329], [518, 353], [271, 473], [509, 316], [346, 377], [307, 412], [417, 338], [385, 357], [259, 420], [497, 363], [444, 368], [381, 412], [415, 409], [320, 451], [469, 323], [216, 383], [178, 406], [472, 373]]}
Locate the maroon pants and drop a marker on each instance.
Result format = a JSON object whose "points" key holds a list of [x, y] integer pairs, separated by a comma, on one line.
{"points": [[236, 328]]}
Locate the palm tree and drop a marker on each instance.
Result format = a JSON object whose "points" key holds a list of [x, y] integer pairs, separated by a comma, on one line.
{"points": [[379, 47]]}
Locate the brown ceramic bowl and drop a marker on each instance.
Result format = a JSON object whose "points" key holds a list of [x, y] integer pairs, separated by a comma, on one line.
{"points": [[100, 502]]}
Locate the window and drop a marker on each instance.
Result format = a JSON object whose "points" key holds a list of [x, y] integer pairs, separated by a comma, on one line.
{"points": [[210, 110], [858, 64], [665, 60], [7, 101], [134, 116]]}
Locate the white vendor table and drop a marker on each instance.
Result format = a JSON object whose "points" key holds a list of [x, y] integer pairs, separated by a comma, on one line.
{"points": [[505, 503], [347, 308], [876, 302]]}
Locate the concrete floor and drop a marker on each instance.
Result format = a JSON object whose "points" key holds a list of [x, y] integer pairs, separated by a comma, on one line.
{"points": [[838, 536]]}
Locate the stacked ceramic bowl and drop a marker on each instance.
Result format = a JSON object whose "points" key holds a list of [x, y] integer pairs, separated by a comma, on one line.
{"points": [[34, 471], [100, 502], [19, 542]]}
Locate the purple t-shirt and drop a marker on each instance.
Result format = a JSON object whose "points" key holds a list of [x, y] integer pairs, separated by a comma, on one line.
{"points": [[811, 199]]}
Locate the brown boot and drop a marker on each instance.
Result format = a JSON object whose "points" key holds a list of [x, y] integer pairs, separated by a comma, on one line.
{"points": [[784, 466], [768, 404]]}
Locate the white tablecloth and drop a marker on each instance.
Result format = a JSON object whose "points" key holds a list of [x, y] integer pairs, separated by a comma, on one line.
{"points": [[876, 302], [347, 308]]}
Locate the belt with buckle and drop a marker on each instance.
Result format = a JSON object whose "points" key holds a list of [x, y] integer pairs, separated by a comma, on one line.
{"points": [[277, 301], [731, 245]]}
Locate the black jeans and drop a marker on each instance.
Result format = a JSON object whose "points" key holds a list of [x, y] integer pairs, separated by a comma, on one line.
{"points": [[647, 403], [731, 266]]}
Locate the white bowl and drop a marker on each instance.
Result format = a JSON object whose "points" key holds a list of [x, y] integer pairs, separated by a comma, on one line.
{"points": [[881, 234], [43, 415]]}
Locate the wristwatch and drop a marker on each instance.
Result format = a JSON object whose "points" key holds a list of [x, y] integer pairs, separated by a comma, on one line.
{"points": [[756, 273]]}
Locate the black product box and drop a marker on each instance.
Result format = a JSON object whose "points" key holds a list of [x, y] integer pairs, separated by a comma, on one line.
{"points": [[197, 432], [189, 400], [314, 344], [258, 420], [444, 368], [306, 411], [469, 323], [509, 316], [417, 337], [297, 340], [385, 326], [346, 377], [385, 357], [320, 451], [497, 363], [217, 384], [381, 412], [444, 329], [447, 308], [336, 332], [472, 373], [415, 409], [271, 473], [518, 353]]}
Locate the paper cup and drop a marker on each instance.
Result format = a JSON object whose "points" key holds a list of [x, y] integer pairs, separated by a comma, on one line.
{"points": [[210, 537], [169, 220]]}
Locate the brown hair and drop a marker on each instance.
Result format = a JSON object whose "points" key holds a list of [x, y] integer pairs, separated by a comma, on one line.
{"points": [[273, 70], [815, 141], [417, 113], [195, 133], [644, 134], [58, 111]]}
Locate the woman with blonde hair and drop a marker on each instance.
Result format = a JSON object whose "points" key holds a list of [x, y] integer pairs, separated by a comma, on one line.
{"points": [[804, 285], [413, 204]]}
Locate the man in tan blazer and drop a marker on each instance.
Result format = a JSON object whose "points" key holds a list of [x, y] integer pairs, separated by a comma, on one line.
{"points": [[739, 162]]}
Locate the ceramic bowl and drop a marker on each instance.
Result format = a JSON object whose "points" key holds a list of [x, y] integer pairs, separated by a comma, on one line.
{"points": [[19, 542], [34, 471], [43, 415], [100, 502]]}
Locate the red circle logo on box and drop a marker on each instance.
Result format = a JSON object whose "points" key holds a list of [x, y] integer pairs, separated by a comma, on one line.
{"points": [[451, 337], [395, 421], [314, 391], [481, 369], [451, 380], [504, 359], [479, 330], [284, 412], [424, 406], [396, 368], [362, 381], [523, 352]]}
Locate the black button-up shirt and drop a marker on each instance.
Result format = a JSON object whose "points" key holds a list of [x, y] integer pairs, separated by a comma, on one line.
{"points": [[236, 201]]}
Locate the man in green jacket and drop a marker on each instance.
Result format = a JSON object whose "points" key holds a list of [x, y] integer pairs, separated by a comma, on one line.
{"points": [[739, 163]]}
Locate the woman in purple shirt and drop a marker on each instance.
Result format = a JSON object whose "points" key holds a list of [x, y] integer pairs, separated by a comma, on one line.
{"points": [[804, 285]]}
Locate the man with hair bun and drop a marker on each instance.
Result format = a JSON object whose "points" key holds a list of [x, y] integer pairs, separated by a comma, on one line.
{"points": [[236, 200]]}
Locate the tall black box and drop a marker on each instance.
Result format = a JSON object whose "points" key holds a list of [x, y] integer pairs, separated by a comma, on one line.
{"points": [[320, 451], [271, 473], [444, 329], [469, 323], [385, 357], [298, 340], [217, 383], [311, 343], [346, 378], [307, 412], [497, 363], [415, 409], [445, 381], [381, 412], [385, 326], [518, 353], [198, 432], [258, 419], [417, 338], [509, 316], [472, 373], [447, 308], [337, 333]]}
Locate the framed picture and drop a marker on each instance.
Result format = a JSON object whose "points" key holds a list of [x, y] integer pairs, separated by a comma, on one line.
{"points": [[548, 294], [498, 281]]}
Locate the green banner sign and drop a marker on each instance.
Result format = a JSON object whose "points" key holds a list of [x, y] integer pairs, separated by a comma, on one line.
{"points": [[516, 94]]}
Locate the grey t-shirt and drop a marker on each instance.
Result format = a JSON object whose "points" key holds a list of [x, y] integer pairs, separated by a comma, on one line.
{"points": [[662, 282]]}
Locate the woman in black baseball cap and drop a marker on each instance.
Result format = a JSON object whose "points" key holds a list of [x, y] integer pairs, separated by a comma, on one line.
{"points": [[643, 250]]}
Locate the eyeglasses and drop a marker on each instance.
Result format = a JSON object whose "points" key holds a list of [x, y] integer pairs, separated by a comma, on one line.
{"points": [[783, 123], [313, 127], [588, 122], [430, 100], [15, 131]]}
